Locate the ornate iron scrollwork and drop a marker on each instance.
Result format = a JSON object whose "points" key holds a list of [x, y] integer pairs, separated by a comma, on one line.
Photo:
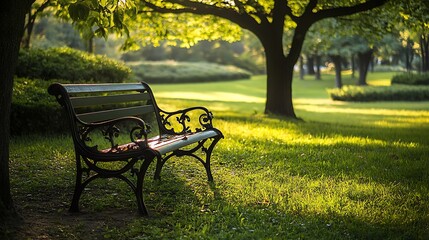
{"points": [[111, 132], [180, 122]]}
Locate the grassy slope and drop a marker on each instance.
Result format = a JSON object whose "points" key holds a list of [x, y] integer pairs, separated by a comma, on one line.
{"points": [[349, 171]]}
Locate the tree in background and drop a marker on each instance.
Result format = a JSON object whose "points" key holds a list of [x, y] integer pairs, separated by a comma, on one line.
{"points": [[268, 20], [35, 11], [413, 16]]}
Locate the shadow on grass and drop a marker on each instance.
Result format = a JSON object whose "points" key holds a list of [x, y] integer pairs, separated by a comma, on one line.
{"points": [[287, 181]]}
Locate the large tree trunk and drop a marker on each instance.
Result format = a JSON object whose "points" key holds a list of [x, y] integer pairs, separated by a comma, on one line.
{"points": [[279, 86], [12, 18], [279, 75], [364, 61]]}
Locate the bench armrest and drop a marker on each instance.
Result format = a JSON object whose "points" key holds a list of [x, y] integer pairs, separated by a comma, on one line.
{"points": [[110, 130], [185, 120]]}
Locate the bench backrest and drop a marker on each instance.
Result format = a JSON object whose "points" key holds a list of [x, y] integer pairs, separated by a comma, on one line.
{"points": [[90, 103]]}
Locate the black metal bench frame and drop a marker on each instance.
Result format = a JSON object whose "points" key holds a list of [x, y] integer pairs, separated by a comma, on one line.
{"points": [[87, 112]]}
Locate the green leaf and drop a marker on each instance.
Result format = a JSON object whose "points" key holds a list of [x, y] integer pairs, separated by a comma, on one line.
{"points": [[78, 11]]}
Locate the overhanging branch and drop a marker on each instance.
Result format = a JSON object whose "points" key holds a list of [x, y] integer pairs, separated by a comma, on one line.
{"points": [[243, 19], [344, 11]]}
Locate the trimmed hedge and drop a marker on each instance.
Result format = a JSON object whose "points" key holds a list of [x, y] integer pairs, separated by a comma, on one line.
{"points": [[380, 93], [411, 79], [34, 110], [181, 72], [71, 65]]}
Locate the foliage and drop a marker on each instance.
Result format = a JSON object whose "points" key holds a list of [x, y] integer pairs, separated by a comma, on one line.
{"points": [[411, 79], [142, 27], [33, 109], [217, 51], [380, 93], [71, 65], [180, 72]]}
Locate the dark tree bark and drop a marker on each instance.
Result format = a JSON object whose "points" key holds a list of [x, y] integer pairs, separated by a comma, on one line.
{"points": [[353, 63], [338, 78], [279, 70], [364, 60], [301, 68], [90, 45], [310, 65], [12, 18], [424, 47], [318, 63], [409, 55]]}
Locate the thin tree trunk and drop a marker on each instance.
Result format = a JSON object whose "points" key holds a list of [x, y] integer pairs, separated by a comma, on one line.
{"points": [[90, 45], [408, 56], [353, 62], [338, 79], [424, 47], [301, 68], [12, 18], [318, 62], [364, 61], [310, 65]]}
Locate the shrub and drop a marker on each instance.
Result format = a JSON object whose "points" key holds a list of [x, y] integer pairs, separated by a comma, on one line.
{"points": [[180, 72], [380, 93], [69, 64], [411, 79], [388, 68], [33, 109]]}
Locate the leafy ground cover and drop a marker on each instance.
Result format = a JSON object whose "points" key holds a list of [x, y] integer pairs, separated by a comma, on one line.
{"points": [[348, 171]]}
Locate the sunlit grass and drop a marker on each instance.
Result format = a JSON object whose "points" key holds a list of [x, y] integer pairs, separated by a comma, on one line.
{"points": [[348, 171]]}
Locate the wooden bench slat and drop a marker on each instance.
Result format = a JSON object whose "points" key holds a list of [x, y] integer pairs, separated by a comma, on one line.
{"points": [[164, 146], [115, 113], [91, 88], [98, 100]]}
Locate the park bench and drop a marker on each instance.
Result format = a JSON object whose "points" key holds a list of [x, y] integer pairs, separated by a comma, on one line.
{"points": [[118, 130]]}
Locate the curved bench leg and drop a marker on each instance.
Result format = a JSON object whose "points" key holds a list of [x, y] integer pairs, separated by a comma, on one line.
{"points": [[74, 207], [208, 152], [139, 190]]}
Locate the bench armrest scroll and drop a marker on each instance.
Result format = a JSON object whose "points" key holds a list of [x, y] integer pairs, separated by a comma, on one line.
{"points": [[184, 121]]}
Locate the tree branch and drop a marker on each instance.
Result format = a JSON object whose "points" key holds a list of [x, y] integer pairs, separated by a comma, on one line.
{"points": [[310, 6], [344, 11], [244, 20]]}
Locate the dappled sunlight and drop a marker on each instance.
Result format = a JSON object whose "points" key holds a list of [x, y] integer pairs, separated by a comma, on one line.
{"points": [[292, 136], [367, 111], [368, 116], [212, 96], [380, 82], [340, 195], [316, 101]]}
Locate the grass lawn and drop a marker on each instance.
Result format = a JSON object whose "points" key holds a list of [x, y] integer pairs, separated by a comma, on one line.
{"points": [[348, 171]]}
